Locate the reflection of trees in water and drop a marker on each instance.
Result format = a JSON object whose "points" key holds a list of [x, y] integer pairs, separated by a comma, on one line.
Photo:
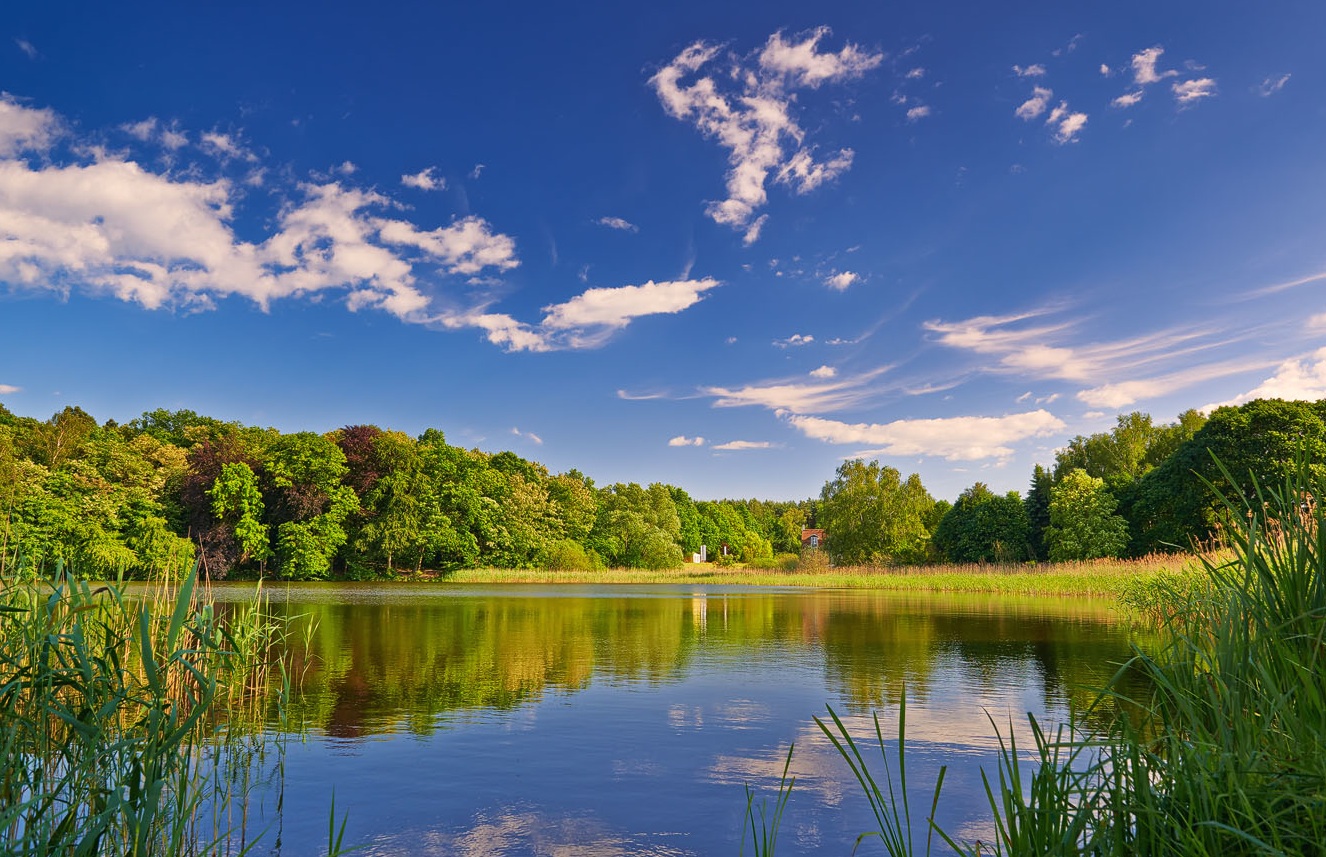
{"points": [[389, 667], [873, 654]]}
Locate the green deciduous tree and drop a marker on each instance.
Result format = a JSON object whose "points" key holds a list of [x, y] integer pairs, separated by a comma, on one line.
{"points": [[871, 515], [984, 527], [1082, 520]]}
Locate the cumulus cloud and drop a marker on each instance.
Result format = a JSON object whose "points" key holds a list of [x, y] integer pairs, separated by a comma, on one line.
{"points": [[683, 440], [1190, 92], [23, 128], [795, 395], [1066, 124], [951, 438], [743, 445], [1144, 67], [1036, 105], [1036, 70], [425, 179], [823, 372], [225, 147], [747, 107], [1301, 378], [6, 389], [919, 112], [616, 307], [841, 280], [618, 223], [795, 340], [1128, 99]]}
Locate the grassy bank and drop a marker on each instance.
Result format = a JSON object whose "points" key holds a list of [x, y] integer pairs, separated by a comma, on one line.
{"points": [[1098, 578]]}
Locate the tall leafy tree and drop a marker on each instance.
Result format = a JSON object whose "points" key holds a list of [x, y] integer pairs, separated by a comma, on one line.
{"points": [[1082, 520], [984, 527], [871, 515], [1037, 506]]}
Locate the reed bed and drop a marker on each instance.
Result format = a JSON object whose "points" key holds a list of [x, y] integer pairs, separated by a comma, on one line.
{"points": [[133, 727], [1224, 755], [1095, 578]]}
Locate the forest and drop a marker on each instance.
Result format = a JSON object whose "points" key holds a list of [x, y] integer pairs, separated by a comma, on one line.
{"points": [[173, 488]]}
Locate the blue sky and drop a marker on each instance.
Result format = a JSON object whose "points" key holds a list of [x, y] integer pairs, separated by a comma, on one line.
{"points": [[724, 246]]}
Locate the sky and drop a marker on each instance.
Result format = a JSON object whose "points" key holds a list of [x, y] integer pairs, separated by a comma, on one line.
{"points": [[723, 246]]}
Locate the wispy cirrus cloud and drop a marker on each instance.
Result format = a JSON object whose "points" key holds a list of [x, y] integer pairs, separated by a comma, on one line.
{"points": [[743, 445], [747, 107], [965, 438], [1271, 85], [528, 435], [796, 395], [1113, 373]]}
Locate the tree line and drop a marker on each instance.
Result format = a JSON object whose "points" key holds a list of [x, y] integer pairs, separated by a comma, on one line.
{"points": [[1139, 488], [172, 488]]}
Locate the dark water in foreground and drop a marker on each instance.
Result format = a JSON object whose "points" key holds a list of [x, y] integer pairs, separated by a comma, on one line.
{"points": [[616, 720]]}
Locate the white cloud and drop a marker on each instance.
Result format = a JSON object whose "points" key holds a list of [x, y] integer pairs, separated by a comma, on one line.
{"points": [[683, 440], [6, 389], [1067, 125], [1189, 92], [951, 438], [754, 120], [1034, 351], [225, 147], [25, 129], [1272, 85], [1317, 322], [1301, 378], [477, 171], [824, 372], [528, 435], [752, 233], [916, 74], [1035, 106], [1144, 67], [841, 280], [742, 445], [425, 179], [795, 340], [799, 397], [345, 168], [28, 48], [1036, 70], [616, 307], [1128, 99], [918, 112], [467, 246], [1105, 70], [618, 223]]}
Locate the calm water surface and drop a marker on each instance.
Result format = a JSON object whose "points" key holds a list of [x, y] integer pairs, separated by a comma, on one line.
{"points": [[529, 720]]}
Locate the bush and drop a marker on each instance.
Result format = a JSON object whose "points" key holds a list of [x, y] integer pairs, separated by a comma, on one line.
{"points": [[567, 555]]}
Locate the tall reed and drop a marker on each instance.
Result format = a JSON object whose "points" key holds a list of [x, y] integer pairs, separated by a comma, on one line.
{"points": [[129, 725]]}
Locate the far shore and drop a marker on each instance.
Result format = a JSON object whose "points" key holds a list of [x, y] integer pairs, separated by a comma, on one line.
{"points": [[1095, 578]]}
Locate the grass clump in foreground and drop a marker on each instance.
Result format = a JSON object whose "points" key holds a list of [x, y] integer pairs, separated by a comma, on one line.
{"points": [[130, 727], [1226, 755]]}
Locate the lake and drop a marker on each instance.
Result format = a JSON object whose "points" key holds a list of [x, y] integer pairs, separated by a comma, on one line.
{"points": [[614, 720]]}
